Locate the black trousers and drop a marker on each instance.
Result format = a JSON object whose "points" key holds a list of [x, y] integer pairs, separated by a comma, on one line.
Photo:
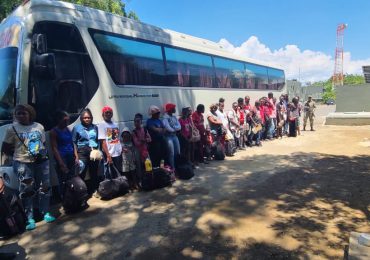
{"points": [[92, 166]]}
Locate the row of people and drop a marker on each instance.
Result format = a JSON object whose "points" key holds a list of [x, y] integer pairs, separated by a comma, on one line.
{"points": [[160, 140]]}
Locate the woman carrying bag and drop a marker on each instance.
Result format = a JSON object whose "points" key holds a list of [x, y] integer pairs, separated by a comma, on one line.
{"points": [[85, 141]]}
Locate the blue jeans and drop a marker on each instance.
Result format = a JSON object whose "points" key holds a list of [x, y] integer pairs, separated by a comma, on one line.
{"points": [[271, 128], [34, 179], [173, 148], [252, 135]]}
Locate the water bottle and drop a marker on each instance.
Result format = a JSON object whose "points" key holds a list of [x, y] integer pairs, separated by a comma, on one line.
{"points": [[148, 165], [161, 164]]}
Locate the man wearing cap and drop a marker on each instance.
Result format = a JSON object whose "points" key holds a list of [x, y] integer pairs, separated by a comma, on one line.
{"points": [[172, 126], [108, 135], [309, 112]]}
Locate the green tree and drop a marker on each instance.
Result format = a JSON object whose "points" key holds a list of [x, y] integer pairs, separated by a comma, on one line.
{"points": [[329, 92], [7, 6], [350, 79], [112, 6]]}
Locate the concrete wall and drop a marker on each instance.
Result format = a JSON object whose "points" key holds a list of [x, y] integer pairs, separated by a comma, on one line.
{"points": [[315, 92], [295, 88], [353, 98]]}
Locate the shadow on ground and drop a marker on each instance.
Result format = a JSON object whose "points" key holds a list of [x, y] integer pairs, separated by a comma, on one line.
{"points": [[260, 207]]}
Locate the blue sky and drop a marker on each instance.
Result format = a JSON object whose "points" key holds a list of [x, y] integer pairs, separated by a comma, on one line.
{"points": [[289, 33]]}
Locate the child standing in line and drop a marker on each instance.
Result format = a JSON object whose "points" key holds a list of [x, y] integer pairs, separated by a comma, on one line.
{"points": [[128, 159], [141, 138]]}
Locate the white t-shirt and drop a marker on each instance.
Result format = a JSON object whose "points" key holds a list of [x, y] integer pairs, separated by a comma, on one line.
{"points": [[233, 116], [110, 133], [222, 116], [31, 143]]}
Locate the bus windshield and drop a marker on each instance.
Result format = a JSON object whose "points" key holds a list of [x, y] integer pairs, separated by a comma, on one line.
{"points": [[8, 66]]}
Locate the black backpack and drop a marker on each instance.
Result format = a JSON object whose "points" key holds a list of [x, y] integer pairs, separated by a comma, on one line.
{"points": [[13, 219], [75, 195], [184, 168]]}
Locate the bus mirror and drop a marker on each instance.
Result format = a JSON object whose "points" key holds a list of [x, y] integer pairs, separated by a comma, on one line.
{"points": [[39, 43], [44, 66]]}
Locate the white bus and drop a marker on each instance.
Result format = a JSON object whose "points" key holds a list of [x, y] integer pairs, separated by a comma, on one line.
{"points": [[60, 56]]}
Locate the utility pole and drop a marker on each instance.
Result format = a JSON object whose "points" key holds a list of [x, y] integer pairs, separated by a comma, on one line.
{"points": [[338, 66]]}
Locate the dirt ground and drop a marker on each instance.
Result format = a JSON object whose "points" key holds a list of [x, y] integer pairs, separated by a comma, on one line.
{"points": [[295, 198]]}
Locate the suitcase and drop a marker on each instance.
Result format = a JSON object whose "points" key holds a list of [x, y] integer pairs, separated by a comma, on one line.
{"points": [[75, 195], [13, 219]]}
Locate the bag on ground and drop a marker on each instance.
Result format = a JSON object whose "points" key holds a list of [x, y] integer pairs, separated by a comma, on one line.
{"points": [[230, 148], [157, 179], [111, 187], [12, 216], [218, 151], [75, 195], [184, 168]]}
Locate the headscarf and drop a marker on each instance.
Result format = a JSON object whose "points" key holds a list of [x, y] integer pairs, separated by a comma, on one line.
{"points": [[169, 106], [153, 110], [106, 109]]}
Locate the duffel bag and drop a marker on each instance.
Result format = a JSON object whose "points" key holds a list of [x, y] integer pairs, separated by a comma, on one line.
{"points": [[218, 151], [230, 148], [13, 219], [75, 195], [147, 181], [184, 168], [161, 178], [111, 187]]}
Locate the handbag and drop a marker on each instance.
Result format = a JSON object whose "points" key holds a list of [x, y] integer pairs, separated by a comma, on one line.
{"points": [[96, 155], [195, 135], [256, 128]]}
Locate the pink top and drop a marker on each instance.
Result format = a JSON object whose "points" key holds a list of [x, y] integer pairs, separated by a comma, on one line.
{"points": [[198, 120], [141, 138], [186, 127]]}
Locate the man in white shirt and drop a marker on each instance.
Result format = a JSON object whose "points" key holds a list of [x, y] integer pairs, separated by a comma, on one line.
{"points": [[108, 135]]}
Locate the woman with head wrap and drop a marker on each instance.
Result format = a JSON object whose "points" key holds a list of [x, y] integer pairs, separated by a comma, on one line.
{"points": [[172, 126], [187, 146], [157, 146]]}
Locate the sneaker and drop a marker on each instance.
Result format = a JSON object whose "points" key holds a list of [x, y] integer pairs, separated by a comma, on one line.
{"points": [[96, 195], [31, 224], [48, 218]]}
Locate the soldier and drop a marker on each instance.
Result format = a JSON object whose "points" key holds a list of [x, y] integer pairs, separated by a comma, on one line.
{"points": [[309, 112]]}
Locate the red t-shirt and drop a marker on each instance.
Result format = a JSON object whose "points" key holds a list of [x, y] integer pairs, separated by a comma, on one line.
{"points": [[198, 121]]}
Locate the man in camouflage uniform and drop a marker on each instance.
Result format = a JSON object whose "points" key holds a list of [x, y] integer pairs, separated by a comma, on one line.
{"points": [[309, 112]]}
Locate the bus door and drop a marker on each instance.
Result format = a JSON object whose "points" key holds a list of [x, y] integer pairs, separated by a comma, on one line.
{"points": [[62, 76]]}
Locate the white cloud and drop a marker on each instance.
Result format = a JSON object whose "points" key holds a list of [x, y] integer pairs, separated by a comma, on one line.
{"points": [[306, 65]]}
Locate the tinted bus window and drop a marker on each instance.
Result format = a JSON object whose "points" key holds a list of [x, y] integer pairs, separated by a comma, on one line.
{"points": [[131, 62], [256, 76], [8, 65], [188, 69], [229, 73], [276, 78]]}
